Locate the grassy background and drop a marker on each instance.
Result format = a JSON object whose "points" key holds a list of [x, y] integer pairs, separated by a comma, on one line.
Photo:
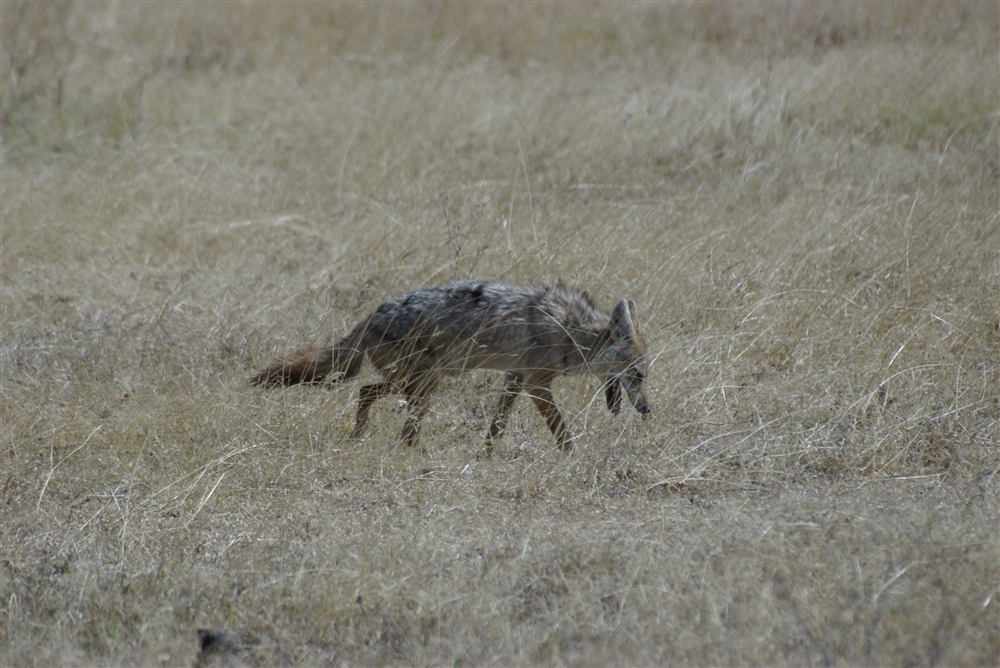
{"points": [[802, 199]]}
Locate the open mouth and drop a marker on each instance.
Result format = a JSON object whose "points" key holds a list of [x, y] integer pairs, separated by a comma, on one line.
{"points": [[613, 393]]}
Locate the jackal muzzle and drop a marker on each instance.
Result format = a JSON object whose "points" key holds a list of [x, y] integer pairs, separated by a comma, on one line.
{"points": [[614, 389]]}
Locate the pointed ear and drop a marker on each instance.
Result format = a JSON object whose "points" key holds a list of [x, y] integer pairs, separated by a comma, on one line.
{"points": [[633, 311], [621, 320]]}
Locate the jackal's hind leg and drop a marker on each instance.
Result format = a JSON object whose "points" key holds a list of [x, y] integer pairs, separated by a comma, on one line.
{"points": [[418, 397], [511, 389], [546, 405], [369, 395]]}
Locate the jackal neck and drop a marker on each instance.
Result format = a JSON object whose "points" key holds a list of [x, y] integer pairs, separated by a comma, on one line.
{"points": [[595, 343], [590, 343]]}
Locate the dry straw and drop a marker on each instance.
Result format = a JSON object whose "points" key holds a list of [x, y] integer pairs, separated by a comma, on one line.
{"points": [[801, 199]]}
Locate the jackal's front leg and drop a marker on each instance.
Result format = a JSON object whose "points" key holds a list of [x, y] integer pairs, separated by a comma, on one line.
{"points": [[546, 405]]}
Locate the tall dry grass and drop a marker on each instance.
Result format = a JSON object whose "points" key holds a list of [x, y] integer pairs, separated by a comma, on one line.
{"points": [[802, 198]]}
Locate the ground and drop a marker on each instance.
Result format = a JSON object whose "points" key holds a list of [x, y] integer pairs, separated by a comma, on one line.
{"points": [[801, 198]]}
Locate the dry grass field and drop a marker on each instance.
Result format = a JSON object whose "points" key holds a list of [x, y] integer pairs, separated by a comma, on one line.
{"points": [[803, 199]]}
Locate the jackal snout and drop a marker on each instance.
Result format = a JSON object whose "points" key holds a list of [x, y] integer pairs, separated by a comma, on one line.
{"points": [[613, 389]]}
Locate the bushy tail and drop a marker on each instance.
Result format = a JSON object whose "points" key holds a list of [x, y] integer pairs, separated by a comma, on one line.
{"points": [[312, 365]]}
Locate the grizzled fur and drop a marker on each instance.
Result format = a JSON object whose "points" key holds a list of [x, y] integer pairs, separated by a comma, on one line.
{"points": [[533, 334]]}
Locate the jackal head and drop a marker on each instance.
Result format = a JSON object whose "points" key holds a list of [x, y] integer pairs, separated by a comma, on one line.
{"points": [[625, 360]]}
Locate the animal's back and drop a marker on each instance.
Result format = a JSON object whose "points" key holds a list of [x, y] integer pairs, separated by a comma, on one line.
{"points": [[474, 324]]}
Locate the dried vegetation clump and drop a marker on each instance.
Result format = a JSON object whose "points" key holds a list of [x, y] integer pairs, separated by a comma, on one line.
{"points": [[801, 198]]}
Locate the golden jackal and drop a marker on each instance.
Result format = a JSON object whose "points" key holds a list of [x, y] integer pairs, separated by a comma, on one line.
{"points": [[531, 333]]}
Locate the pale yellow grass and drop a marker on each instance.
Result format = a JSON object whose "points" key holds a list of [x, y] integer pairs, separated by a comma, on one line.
{"points": [[801, 198]]}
